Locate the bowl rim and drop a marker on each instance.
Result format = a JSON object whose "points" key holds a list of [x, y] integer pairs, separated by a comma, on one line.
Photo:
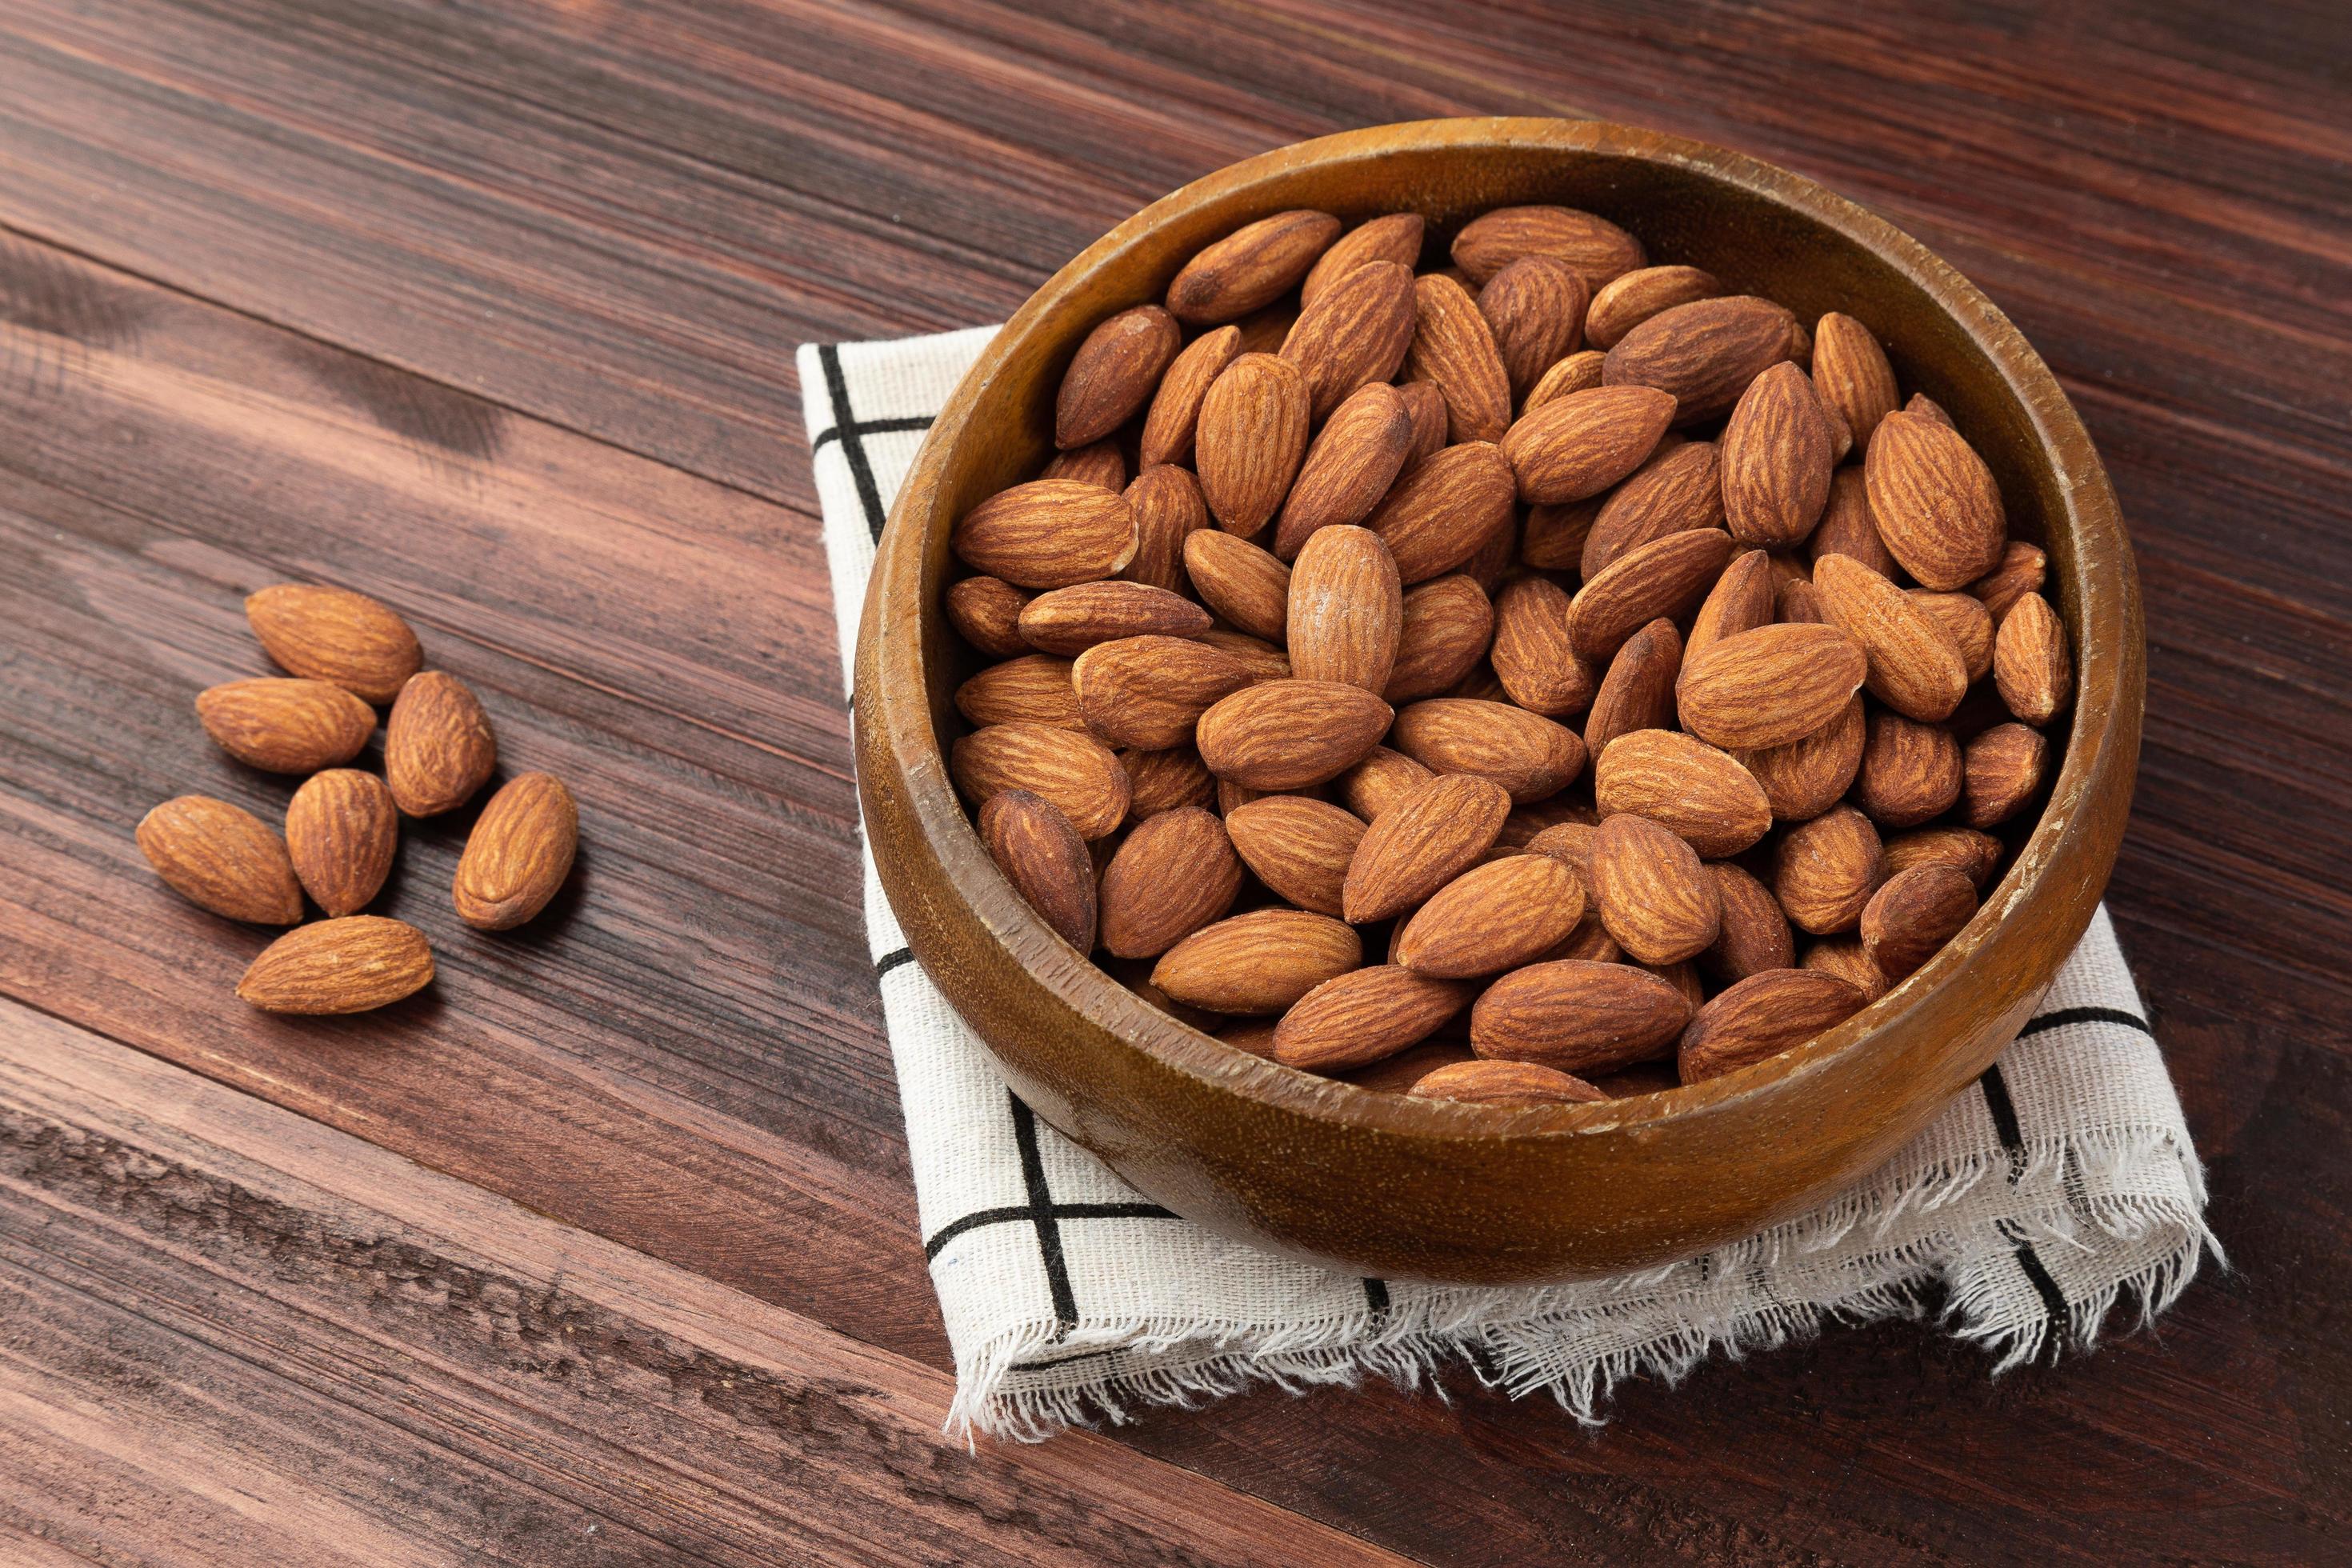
{"points": [[895, 726]]}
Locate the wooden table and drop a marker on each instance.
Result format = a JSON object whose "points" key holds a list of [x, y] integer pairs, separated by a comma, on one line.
{"points": [[606, 1252]]}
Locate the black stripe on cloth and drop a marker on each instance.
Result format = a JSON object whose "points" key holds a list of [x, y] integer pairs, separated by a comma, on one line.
{"points": [[2003, 1110], [979, 1218], [892, 960], [1065, 1360], [1041, 1214], [837, 388], [2065, 1016], [1376, 1297], [2037, 1274], [869, 427]]}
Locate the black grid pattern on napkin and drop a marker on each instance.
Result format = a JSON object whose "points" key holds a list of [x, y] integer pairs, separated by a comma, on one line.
{"points": [[851, 432]]}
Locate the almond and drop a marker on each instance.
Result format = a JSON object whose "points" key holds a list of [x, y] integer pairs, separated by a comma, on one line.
{"points": [[518, 854], [1761, 1016], [1384, 778], [1630, 299], [1972, 854], [221, 858], [1805, 778], [341, 831], [1554, 537], [1777, 457], [1843, 957], [1852, 371], [1927, 408], [1825, 870], [1260, 658], [1910, 771], [1261, 962], [1755, 935], [336, 635], [1493, 918], [438, 747], [986, 613], [1075, 772], [1663, 578], [1579, 444], [1425, 406], [1453, 347], [1689, 788], [1678, 489], [1048, 533], [1150, 691], [1169, 510], [1705, 353], [1914, 667], [1580, 371], [1173, 874], [1349, 468], [1532, 656], [1769, 687], [2001, 769], [1576, 1016], [352, 965], [1934, 501], [1135, 974], [1288, 734], [1504, 1084], [2031, 664], [1654, 897], [1100, 464], [1480, 685], [1176, 406], [1251, 438], [1570, 843], [1162, 780], [1359, 1018], [1535, 308], [1241, 582], [1347, 610], [1912, 915], [1253, 266], [1356, 332], [1967, 622], [1265, 332], [286, 726], [1845, 528], [1300, 848], [1421, 842], [1527, 753], [2023, 569], [1440, 510], [1114, 373], [1597, 249], [1393, 237], [1069, 621], [1033, 689], [1399, 1073], [1638, 691], [1799, 603], [1445, 628], [1740, 601]]}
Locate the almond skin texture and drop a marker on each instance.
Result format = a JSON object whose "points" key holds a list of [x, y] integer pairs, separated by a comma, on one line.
{"points": [[1097, 463], [2002, 770], [1393, 237], [1580, 371], [1493, 918], [1355, 1019], [1046, 860], [1755, 935], [1172, 875], [1663, 578], [336, 635], [1532, 655], [1934, 501], [1356, 332], [1035, 689], [286, 726], [1176, 406], [1381, 780], [1910, 771], [1913, 915], [1704, 353], [1974, 855], [1300, 848], [2031, 664], [1257, 962], [1927, 408], [1845, 528], [1678, 489], [1169, 510], [1627, 300], [1570, 843], [1424, 406], [518, 854], [1825, 870], [354, 965], [1769, 687], [1445, 628], [1253, 266], [1530, 755], [1150, 691], [221, 858], [1048, 533], [1554, 537], [1440, 511], [1799, 603], [1164, 780], [986, 613], [1075, 772], [1114, 373], [341, 831], [1638, 691], [1251, 438], [1260, 658], [1699, 794], [1069, 621], [1535, 308], [1654, 897], [1504, 1084], [1967, 622], [1288, 734], [1805, 778], [1420, 844], [1740, 601], [1346, 609], [1761, 1016], [1843, 957], [438, 747], [2023, 569], [1777, 457], [1358, 454], [1598, 249], [1241, 582], [1914, 665], [1576, 1016], [1579, 444], [1453, 347], [1853, 375]]}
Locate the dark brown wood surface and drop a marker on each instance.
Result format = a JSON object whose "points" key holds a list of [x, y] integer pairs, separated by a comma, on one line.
{"points": [[604, 1252]]}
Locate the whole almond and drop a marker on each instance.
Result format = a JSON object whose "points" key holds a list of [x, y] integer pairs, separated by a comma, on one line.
{"points": [[353, 964], [1493, 918], [2002, 771], [1663, 578], [1914, 665], [1453, 347], [1260, 658], [1300, 848], [1357, 1018], [1843, 957], [1347, 610], [1685, 785], [1852, 371], [1912, 915], [1762, 1016], [1044, 860], [1356, 332], [1251, 438], [1048, 533], [2031, 664], [1847, 529], [1163, 780], [1769, 687], [1934, 501], [986, 613], [1679, 487], [1910, 771], [1176, 406], [1532, 656], [1825, 870], [1288, 734], [1442, 510], [1578, 372], [1535, 308], [1805, 778], [1241, 582], [341, 831], [1169, 510], [1258, 962], [1654, 897], [1579, 444], [1173, 874], [1577, 1016], [286, 726], [1630, 299], [1420, 844], [1638, 691], [1034, 689], [1740, 601], [1424, 406], [1114, 373], [337, 636], [1392, 237], [1150, 691], [2023, 569], [1077, 773], [1445, 628], [438, 747], [1705, 353], [1253, 266], [1530, 755], [1597, 249], [1755, 935], [1777, 457], [221, 858], [1966, 620], [1069, 621], [1504, 1084], [1384, 778], [518, 854], [1554, 537], [1100, 464], [1350, 467]]}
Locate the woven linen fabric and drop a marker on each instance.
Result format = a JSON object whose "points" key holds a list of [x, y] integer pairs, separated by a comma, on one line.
{"points": [[2064, 1180]]}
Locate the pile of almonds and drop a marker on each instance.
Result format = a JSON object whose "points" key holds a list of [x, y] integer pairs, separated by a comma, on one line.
{"points": [[1403, 551], [349, 654]]}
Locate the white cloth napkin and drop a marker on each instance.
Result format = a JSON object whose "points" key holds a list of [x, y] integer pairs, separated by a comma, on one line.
{"points": [[2064, 1180]]}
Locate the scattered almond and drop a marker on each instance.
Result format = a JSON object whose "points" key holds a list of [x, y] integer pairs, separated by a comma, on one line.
{"points": [[342, 829], [221, 858], [334, 635], [438, 748], [286, 726], [352, 965]]}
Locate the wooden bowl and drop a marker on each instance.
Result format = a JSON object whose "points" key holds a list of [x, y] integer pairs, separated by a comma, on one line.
{"points": [[1386, 1184]]}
